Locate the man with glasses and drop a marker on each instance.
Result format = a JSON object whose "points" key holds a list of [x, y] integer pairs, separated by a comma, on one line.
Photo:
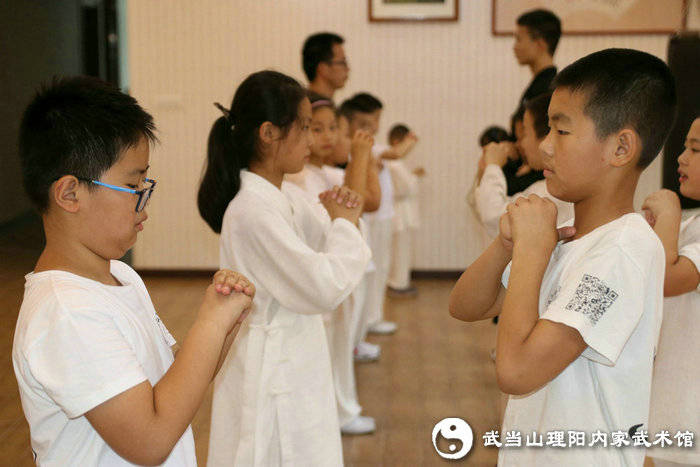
{"points": [[324, 63]]}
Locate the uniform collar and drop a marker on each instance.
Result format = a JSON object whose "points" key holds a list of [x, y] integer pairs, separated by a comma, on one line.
{"points": [[266, 190]]}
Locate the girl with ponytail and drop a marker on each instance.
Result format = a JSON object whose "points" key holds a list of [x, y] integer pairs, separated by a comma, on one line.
{"points": [[274, 399]]}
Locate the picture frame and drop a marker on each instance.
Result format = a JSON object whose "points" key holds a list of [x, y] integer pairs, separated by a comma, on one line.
{"points": [[412, 10], [584, 17]]}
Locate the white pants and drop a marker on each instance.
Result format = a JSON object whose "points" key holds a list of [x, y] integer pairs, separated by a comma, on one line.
{"points": [[342, 331], [381, 231], [400, 272]]}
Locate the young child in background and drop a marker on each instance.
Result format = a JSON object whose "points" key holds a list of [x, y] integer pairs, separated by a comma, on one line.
{"points": [[363, 112], [490, 194], [579, 321], [406, 218], [343, 325], [675, 403], [274, 400], [97, 376]]}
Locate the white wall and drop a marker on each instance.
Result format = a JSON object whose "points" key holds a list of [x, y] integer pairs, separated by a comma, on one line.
{"points": [[446, 80]]}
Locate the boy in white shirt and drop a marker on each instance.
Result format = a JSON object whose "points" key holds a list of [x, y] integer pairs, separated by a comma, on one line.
{"points": [[406, 218], [363, 112], [491, 198], [98, 380], [579, 321], [675, 404]]}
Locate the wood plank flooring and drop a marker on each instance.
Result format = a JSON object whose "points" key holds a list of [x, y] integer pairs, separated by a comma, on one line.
{"points": [[433, 367]]}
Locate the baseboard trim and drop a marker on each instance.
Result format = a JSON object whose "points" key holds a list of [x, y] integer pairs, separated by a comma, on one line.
{"points": [[416, 274], [436, 274]]}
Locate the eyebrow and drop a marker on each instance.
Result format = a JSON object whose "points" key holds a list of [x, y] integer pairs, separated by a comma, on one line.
{"points": [[559, 117]]}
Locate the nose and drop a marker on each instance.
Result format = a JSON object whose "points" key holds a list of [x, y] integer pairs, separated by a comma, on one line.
{"points": [[546, 147], [683, 158]]}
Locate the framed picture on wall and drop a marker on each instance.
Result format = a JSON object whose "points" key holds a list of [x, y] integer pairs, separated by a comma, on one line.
{"points": [[413, 10], [597, 16]]}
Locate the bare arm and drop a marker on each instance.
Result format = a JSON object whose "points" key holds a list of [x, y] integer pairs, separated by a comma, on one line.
{"points": [[144, 423], [478, 293], [357, 172], [681, 274], [531, 351], [373, 189]]}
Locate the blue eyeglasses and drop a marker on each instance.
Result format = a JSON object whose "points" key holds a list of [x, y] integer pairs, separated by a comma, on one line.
{"points": [[144, 195]]}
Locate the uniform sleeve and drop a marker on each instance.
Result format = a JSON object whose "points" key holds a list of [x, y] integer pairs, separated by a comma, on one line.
{"points": [[83, 360], [491, 198], [405, 183], [600, 297], [300, 278], [691, 243]]}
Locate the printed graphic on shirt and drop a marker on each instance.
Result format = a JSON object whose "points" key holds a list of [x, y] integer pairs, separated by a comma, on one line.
{"points": [[592, 298]]}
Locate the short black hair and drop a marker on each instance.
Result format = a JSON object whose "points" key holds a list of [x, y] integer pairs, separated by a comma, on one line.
{"points": [[361, 102], [318, 48], [77, 126], [625, 87], [398, 132], [538, 107], [542, 24], [493, 134]]}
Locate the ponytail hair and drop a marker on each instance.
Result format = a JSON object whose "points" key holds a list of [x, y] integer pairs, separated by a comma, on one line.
{"points": [[265, 96]]}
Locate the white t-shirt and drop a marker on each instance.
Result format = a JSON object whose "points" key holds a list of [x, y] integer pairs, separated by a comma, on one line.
{"points": [[77, 344], [386, 203], [608, 285], [675, 398]]}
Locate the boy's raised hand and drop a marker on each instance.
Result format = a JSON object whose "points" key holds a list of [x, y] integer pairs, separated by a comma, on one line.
{"points": [[361, 144], [497, 153], [342, 202], [532, 223], [662, 204], [227, 299]]}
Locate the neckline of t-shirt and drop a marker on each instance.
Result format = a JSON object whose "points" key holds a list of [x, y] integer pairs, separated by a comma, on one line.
{"points": [[597, 230], [61, 272]]}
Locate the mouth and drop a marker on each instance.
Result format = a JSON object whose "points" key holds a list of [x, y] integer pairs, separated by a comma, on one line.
{"points": [[547, 172], [682, 177], [139, 226]]}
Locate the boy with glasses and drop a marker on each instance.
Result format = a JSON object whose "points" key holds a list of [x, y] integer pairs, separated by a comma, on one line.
{"points": [[97, 377]]}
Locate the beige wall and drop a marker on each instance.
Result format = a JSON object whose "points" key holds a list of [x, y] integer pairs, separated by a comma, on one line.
{"points": [[446, 80]]}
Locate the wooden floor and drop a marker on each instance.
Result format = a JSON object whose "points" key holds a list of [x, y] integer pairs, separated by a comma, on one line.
{"points": [[434, 367]]}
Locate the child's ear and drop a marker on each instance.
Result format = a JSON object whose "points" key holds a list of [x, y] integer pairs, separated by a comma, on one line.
{"points": [[627, 146], [65, 193], [268, 133]]}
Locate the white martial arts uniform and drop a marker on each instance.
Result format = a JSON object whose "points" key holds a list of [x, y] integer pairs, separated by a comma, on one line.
{"points": [[406, 221], [342, 326], [492, 199], [380, 228], [274, 400], [675, 399]]}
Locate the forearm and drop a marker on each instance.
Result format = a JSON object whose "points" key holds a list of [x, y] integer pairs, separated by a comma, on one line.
{"points": [[178, 395], [356, 173], [478, 287], [373, 196], [667, 228], [226, 347], [520, 311]]}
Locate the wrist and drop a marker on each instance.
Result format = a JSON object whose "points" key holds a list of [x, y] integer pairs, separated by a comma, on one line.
{"points": [[210, 328], [534, 255]]}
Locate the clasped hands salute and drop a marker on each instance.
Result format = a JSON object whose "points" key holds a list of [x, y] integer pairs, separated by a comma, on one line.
{"points": [[531, 223]]}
